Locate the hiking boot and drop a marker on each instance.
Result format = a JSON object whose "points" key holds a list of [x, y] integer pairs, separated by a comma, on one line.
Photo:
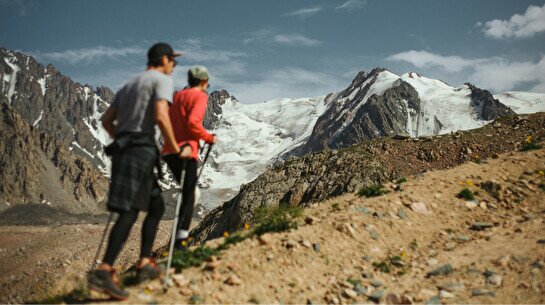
{"points": [[105, 281], [149, 271]]}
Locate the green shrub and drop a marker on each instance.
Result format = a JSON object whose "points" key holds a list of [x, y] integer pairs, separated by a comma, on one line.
{"points": [[275, 219], [401, 180], [529, 144], [466, 194], [373, 191], [192, 257]]}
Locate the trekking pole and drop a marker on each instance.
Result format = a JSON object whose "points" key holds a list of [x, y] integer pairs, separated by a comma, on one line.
{"points": [[94, 262], [174, 227], [176, 214], [204, 161]]}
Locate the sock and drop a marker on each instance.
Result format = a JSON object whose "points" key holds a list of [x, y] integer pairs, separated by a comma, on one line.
{"points": [[182, 234]]}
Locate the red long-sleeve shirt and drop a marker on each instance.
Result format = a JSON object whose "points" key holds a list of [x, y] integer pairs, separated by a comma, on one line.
{"points": [[186, 116]]}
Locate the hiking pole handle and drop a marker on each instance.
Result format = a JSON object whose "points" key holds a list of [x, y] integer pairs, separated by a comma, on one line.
{"points": [[204, 161]]}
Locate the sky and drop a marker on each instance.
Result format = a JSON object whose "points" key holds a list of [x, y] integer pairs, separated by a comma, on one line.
{"points": [[262, 50]]}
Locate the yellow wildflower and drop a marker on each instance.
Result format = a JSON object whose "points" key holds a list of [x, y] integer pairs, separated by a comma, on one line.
{"points": [[541, 173], [225, 234], [469, 182], [528, 139], [246, 226], [403, 254]]}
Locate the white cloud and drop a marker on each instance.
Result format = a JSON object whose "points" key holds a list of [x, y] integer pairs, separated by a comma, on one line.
{"points": [[304, 12], [288, 39], [89, 55], [518, 26], [283, 83], [421, 59], [351, 5], [295, 39], [496, 73]]}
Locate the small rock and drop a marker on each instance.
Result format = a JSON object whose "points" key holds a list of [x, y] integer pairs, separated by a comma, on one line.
{"points": [[535, 271], [401, 213], [451, 286], [392, 298], [179, 280], [309, 220], [434, 301], [538, 264], [443, 294], [450, 246], [185, 291], [373, 234], [212, 265], [316, 247], [306, 243], [432, 262], [349, 293], [364, 210], [442, 270], [376, 296], [471, 204], [462, 238], [291, 244], [216, 276], [490, 272], [376, 284], [482, 292], [479, 226], [520, 259], [367, 275], [494, 280], [471, 270], [378, 215], [265, 239], [233, 280], [419, 207], [359, 289]]}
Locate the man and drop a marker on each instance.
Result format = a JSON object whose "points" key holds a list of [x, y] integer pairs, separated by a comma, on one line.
{"points": [[141, 104], [187, 114]]}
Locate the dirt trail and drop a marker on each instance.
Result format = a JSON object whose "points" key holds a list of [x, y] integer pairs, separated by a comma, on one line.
{"points": [[343, 255]]}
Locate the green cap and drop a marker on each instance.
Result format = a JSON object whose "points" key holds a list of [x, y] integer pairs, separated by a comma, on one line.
{"points": [[198, 72]]}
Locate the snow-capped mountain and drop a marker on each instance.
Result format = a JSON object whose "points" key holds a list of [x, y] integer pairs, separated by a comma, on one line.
{"points": [[381, 103], [377, 103], [254, 137]]}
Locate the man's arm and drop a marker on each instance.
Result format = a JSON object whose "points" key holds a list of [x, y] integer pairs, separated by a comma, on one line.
{"points": [[108, 119], [162, 119]]}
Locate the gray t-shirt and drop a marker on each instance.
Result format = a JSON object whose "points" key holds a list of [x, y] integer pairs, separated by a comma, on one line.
{"points": [[136, 100]]}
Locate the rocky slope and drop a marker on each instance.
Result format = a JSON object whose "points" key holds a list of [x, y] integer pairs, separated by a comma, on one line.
{"points": [[319, 176], [58, 120], [39, 168], [419, 244]]}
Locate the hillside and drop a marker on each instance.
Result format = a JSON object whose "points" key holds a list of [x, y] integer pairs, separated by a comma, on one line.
{"points": [[323, 175], [419, 244]]}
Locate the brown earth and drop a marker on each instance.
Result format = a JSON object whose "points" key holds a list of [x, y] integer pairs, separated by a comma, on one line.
{"points": [[504, 262], [39, 261]]}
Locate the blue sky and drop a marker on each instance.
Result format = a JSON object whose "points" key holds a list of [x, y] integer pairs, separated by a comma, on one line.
{"points": [[260, 50]]}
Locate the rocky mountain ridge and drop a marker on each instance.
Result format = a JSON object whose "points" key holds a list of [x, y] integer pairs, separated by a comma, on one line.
{"points": [[39, 168]]}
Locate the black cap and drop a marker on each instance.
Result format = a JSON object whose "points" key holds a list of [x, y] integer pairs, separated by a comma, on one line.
{"points": [[159, 49]]}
